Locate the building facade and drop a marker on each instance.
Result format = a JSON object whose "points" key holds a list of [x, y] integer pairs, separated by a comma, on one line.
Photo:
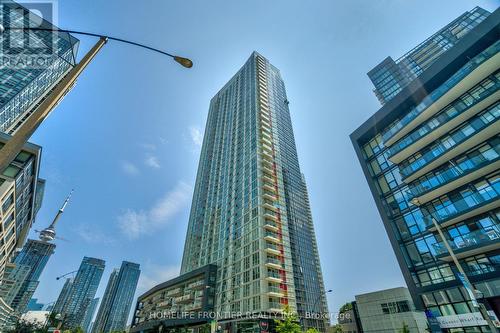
{"points": [[82, 292], [18, 188], [87, 322], [432, 152], [187, 301], [348, 318], [391, 76], [388, 311], [62, 299], [25, 84], [117, 300], [35, 254], [250, 214]]}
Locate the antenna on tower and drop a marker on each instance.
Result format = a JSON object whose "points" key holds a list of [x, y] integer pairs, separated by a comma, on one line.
{"points": [[49, 234]]}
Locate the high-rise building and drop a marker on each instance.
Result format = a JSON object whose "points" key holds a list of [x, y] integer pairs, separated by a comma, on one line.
{"points": [[24, 82], [90, 315], [82, 292], [390, 77], [433, 152], [62, 299], [35, 254], [18, 188], [250, 214], [117, 300]]}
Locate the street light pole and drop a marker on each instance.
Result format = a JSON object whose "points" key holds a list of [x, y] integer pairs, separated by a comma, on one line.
{"points": [[13, 146], [466, 281]]}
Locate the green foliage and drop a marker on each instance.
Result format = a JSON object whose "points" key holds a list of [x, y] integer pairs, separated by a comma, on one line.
{"points": [[22, 326], [336, 329], [405, 328], [205, 328], [346, 307], [312, 330], [289, 323]]}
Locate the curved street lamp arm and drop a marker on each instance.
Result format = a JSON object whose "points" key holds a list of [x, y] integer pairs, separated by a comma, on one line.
{"points": [[181, 60]]}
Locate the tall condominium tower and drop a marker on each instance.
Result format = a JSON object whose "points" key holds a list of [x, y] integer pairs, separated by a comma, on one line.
{"points": [[62, 299], [433, 153], [117, 300], [35, 254], [33, 62], [87, 321], [82, 292], [390, 77], [250, 214]]}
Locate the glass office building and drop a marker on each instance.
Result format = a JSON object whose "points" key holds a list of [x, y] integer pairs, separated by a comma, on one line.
{"points": [[62, 299], [81, 292], [433, 151], [29, 70], [391, 76], [35, 254], [117, 300], [87, 322], [250, 214]]}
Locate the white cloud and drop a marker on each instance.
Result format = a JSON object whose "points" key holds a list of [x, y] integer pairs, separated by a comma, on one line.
{"points": [[129, 168], [196, 136], [93, 235], [136, 223], [152, 275], [153, 162]]}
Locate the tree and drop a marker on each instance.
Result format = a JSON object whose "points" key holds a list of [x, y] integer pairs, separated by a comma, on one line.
{"points": [[346, 307], [312, 330], [336, 328], [405, 328], [289, 323]]}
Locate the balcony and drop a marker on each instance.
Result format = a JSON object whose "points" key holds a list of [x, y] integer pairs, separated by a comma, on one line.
{"points": [[193, 307], [197, 285], [272, 226], [175, 292], [476, 242], [270, 206], [274, 263], [272, 237], [274, 277], [462, 209], [184, 299], [452, 116], [474, 131], [275, 307], [474, 71], [275, 292], [436, 184], [270, 215], [269, 196], [268, 187], [273, 249], [266, 163]]}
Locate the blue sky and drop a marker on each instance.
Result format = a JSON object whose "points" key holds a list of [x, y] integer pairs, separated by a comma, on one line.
{"points": [[128, 136]]}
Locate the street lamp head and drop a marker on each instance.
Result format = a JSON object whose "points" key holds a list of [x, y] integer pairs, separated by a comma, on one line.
{"points": [[184, 61], [329, 291]]}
